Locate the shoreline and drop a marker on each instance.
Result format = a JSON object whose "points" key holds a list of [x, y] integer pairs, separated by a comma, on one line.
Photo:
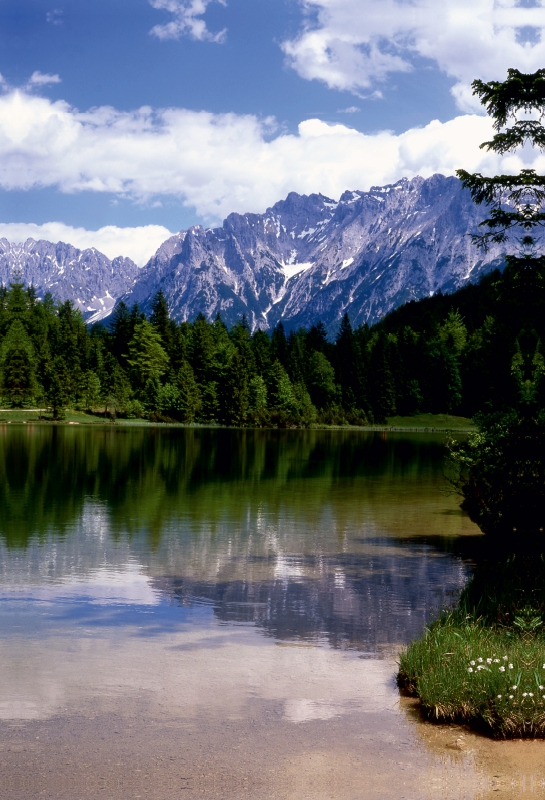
{"points": [[425, 423]]}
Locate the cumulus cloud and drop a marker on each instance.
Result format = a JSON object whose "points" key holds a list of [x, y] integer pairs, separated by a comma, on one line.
{"points": [[187, 20], [352, 44], [43, 79], [218, 163], [136, 243]]}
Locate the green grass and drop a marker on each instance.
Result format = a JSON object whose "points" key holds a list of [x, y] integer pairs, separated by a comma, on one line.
{"points": [[24, 415], [465, 671], [420, 422], [433, 422]]}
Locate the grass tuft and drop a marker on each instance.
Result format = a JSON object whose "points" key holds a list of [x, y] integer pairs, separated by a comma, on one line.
{"points": [[465, 671]]}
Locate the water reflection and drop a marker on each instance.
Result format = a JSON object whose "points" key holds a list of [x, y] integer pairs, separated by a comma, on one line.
{"points": [[220, 606], [333, 535]]}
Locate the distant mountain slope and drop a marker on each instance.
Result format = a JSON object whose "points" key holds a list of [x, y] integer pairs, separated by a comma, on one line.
{"points": [[87, 277], [306, 258], [310, 258]]}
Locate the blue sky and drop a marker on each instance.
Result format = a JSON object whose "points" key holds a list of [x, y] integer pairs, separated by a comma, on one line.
{"points": [[147, 116]]}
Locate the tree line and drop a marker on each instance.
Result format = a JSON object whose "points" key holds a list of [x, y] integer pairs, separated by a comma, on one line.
{"points": [[445, 354]]}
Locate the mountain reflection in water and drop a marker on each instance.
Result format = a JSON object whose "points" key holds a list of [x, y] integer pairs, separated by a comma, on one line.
{"points": [[344, 536]]}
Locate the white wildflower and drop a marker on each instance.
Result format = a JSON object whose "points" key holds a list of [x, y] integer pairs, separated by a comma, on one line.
{"points": [[496, 661], [514, 687], [470, 669], [499, 697], [530, 694], [525, 694], [480, 660], [502, 669], [488, 660], [472, 663], [510, 666], [511, 697], [504, 658]]}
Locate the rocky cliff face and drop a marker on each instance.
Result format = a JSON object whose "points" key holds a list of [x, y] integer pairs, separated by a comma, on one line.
{"points": [[306, 258], [310, 258], [87, 277]]}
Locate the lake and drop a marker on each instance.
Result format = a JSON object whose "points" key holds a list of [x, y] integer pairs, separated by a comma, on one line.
{"points": [[217, 613]]}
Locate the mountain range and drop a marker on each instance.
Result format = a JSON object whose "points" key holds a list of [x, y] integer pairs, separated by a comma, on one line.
{"points": [[307, 258]]}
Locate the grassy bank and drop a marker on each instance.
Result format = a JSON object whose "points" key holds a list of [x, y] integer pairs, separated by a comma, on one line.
{"points": [[432, 422], [492, 679], [421, 423]]}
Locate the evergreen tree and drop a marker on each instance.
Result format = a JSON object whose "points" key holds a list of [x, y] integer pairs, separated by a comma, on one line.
{"points": [[160, 319], [235, 394], [280, 393], [382, 385], [279, 345], [257, 398], [346, 362], [17, 365], [297, 358], [317, 339], [57, 384], [122, 330], [261, 347], [321, 380], [190, 403], [202, 350], [92, 391], [115, 387], [147, 356]]}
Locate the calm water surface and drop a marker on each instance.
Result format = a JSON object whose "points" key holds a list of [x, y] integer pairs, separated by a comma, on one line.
{"points": [[219, 612]]}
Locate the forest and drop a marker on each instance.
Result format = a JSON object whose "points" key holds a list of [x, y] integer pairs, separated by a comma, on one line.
{"points": [[445, 354]]}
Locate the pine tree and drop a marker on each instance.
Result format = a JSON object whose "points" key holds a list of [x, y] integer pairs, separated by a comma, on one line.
{"points": [[147, 356], [160, 319], [382, 385], [503, 470], [17, 365], [234, 392], [122, 330], [190, 403], [279, 345], [317, 338], [202, 350], [57, 387], [261, 347], [321, 380]]}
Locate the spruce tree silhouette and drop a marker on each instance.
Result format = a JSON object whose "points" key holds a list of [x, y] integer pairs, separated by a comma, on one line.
{"points": [[503, 466]]}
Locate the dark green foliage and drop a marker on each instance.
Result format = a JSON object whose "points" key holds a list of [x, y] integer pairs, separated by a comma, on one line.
{"points": [[17, 365], [279, 345], [502, 477], [321, 380], [189, 396]]}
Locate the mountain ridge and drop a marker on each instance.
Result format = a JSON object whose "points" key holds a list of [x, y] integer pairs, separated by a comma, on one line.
{"points": [[306, 258]]}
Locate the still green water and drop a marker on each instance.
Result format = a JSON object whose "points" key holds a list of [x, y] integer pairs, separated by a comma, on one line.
{"points": [[344, 535], [241, 595]]}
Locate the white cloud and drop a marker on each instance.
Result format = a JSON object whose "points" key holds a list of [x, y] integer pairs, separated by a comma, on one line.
{"points": [[136, 243], [54, 17], [352, 44], [349, 110], [224, 162], [43, 79], [187, 20]]}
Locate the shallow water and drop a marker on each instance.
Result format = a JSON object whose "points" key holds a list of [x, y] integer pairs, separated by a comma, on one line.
{"points": [[219, 612]]}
